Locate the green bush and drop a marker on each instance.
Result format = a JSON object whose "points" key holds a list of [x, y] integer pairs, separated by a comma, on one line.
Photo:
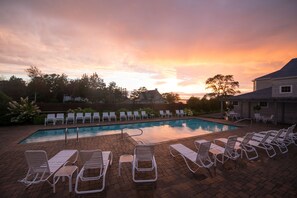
{"points": [[84, 110], [149, 111], [188, 112], [23, 111], [4, 100], [5, 120], [39, 119]]}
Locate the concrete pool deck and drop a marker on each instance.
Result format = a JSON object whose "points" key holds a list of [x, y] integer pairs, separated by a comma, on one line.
{"points": [[264, 177]]}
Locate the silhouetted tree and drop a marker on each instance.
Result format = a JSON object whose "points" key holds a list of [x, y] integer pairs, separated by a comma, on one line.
{"points": [[222, 86], [171, 97], [14, 87], [136, 92], [193, 102]]}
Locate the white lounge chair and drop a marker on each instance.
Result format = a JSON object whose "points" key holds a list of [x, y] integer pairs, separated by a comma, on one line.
{"points": [[233, 115], [162, 114], [79, 117], [130, 115], [262, 144], [268, 119], [50, 118], [70, 117], [258, 117], [144, 114], [88, 116], [93, 160], [41, 169], [168, 113], [96, 116], [105, 116], [59, 117], [200, 158], [112, 116], [123, 116], [177, 113], [275, 139], [244, 146], [182, 113], [144, 154], [222, 154], [289, 136], [136, 115]]}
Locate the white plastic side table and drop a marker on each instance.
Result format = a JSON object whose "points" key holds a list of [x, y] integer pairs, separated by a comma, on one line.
{"points": [[65, 171], [124, 159]]}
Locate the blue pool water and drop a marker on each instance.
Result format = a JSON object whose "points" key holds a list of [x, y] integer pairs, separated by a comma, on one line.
{"points": [[153, 132]]}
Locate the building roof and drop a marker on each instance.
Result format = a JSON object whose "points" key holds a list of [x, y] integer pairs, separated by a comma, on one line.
{"points": [[262, 94], [150, 96], [255, 95], [289, 70]]}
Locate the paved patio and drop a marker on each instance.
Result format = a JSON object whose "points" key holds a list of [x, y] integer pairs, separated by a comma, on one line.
{"points": [[264, 177]]}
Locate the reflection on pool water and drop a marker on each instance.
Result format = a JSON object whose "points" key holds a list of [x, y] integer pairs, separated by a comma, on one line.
{"points": [[153, 132]]}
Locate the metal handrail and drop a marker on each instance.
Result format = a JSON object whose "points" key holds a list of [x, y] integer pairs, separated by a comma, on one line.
{"points": [[122, 132], [243, 119], [66, 131], [77, 135]]}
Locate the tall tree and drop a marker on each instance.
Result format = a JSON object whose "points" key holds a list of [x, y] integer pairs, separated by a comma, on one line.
{"points": [[222, 86], [97, 88], [136, 92], [171, 97], [34, 72], [193, 102], [14, 87], [37, 85]]}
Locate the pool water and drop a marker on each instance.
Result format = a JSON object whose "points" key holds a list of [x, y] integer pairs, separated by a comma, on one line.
{"points": [[153, 132]]}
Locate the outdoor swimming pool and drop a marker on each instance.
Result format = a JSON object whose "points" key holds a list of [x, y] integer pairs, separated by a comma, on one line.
{"points": [[153, 132]]}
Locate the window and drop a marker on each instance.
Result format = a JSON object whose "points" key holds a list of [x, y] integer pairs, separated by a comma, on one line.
{"points": [[286, 89], [235, 103], [263, 104]]}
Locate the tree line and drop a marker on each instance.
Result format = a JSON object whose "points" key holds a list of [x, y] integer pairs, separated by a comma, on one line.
{"points": [[53, 87], [49, 88]]}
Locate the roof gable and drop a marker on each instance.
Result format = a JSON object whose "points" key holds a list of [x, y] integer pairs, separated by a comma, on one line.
{"points": [[150, 96], [289, 70]]}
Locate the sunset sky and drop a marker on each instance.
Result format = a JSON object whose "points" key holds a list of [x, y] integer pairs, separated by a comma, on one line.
{"points": [[172, 45]]}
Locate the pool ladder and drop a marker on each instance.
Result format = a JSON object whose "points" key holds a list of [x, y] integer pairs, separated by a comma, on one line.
{"points": [[141, 132], [66, 132]]}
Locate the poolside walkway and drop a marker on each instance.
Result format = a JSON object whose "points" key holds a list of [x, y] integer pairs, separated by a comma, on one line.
{"points": [[265, 177]]}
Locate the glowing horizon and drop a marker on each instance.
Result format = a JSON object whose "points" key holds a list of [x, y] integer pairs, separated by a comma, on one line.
{"points": [[169, 44]]}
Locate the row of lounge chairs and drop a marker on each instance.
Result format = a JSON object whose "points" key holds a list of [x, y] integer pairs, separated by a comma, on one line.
{"points": [[41, 169], [167, 113], [96, 161], [265, 119], [106, 116], [247, 145], [89, 117]]}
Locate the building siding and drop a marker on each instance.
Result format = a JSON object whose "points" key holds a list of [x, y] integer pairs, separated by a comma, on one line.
{"points": [[262, 84], [281, 82], [290, 113]]}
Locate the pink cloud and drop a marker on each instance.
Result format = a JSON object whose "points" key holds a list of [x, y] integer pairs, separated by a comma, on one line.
{"points": [[168, 39]]}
